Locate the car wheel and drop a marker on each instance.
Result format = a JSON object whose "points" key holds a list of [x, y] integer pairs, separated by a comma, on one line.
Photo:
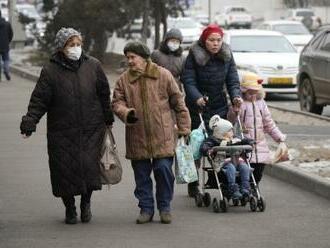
{"points": [[307, 98]]}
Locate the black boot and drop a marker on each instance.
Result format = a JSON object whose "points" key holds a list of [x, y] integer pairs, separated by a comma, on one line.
{"points": [[193, 189], [71, 216], [85, 207], [70, 210]]}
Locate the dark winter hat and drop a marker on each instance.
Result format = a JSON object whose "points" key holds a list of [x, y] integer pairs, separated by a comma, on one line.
{"points": [[138, 48], [173, 33], [63, 35]]}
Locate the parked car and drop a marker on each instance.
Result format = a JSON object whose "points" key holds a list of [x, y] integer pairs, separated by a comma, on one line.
{"points": [[306, 16], [190, 29], [269, 54], [295, 31], [202, 19], [133, 30], [314, 74], [234, 17]]}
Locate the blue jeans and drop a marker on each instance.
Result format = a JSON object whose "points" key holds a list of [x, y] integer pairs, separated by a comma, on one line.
{"points": [[244, 172], [5, 59], [164, 178]]}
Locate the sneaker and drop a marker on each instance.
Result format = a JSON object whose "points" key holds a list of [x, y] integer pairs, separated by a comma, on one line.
{"points": [[7, 76], [144, 218], [165, 217], [71, 216], [236, 195], [86, 213]]}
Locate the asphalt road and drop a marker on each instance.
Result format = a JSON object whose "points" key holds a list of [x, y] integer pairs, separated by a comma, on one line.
{"points": [[31, 217]]}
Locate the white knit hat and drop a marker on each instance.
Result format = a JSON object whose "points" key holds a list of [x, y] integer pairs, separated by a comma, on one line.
{"points": [[219, 126]]}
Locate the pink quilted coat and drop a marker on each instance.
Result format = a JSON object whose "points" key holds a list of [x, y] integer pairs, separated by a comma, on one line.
{"points": [[256, 122]]}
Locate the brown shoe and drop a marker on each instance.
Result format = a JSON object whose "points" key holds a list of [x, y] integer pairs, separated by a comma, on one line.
{"points": [[144, 218], [165, 217]]}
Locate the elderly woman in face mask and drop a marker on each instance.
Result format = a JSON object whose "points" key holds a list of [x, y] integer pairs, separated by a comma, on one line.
{"points": [[74, 92], [169, 55], [209, 72]]}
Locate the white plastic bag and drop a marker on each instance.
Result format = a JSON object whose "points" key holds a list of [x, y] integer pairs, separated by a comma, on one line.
{"points": [[281, 154], [185, 169]]}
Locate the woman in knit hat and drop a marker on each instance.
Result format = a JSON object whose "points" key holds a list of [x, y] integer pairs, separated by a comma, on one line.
{"points": [[256, 122], [145, 96], [169, 55], [74, 92], [209, 72]]}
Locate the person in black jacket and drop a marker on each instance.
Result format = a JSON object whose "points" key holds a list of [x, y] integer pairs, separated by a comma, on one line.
{"points": [[6, 36], [209, 72], [74, 92]]}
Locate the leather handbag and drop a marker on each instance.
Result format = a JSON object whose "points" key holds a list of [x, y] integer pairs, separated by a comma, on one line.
{"points": [[110, 167]]}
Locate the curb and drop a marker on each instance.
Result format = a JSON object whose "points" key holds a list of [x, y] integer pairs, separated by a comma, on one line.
{"points": [[24, 73], [298, 112], [300, 178]]}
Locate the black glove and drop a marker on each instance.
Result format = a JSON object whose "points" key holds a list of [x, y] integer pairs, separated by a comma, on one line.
{"points": [[131, 118], [27, 126]]}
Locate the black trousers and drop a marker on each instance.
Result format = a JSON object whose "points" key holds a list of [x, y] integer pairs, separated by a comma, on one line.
{"points": [[258, 171], [69, 201]]}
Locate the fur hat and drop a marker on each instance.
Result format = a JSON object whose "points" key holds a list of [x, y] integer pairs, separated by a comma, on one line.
{"points": [[250, 81], [219, 126], [63, 35], [138, 48], [173, 33]]}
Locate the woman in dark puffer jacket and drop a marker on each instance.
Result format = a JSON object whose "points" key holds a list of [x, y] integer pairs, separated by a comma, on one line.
{"points": [[209, 73], [74, 92]]}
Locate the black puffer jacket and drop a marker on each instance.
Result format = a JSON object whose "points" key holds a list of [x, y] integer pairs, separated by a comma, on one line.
{"points": [[76, 97], [6, 35]]}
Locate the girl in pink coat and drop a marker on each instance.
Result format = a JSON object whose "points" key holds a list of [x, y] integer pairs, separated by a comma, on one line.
{"points": [[256, 122]]}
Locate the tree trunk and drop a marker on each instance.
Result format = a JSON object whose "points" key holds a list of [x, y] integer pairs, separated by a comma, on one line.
{"points": [[100, 42], [157, 24], [145, 23]]}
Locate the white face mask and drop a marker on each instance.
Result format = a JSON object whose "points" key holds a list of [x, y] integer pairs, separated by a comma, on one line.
{"points": [[173, 46], [74, 53]]}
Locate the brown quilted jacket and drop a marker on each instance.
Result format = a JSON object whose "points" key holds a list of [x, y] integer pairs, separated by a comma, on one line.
{"points": [[152, 96]]}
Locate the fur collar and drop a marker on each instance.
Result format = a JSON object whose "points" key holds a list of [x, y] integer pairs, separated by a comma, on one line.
{"points": [[152, 71], [202, 56]]}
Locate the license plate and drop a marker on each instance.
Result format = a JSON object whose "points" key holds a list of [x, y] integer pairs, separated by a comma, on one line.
{"points": [[280, 80]]}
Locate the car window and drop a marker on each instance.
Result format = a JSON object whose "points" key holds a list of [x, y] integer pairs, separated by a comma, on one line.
{"points": [[305, 13], [326, 43], [261, 44], [291, 28], [316, 42]]}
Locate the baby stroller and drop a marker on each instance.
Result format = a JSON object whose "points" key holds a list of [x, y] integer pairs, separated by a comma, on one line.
{"points": [[217, 179]]}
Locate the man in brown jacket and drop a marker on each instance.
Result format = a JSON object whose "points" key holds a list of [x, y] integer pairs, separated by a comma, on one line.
{"points": [[143, 99]]}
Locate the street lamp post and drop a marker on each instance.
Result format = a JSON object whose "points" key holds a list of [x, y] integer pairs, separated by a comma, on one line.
{"points": [[210, 15], [11, 10]]}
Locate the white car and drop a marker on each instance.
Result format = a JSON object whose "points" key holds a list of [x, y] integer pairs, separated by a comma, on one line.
{"points": [[312, 21], [234, 17], [267, 53], [190, 29], [295, 31]]}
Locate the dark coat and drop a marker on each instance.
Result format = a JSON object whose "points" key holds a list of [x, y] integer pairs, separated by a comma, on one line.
{"points": [[204, 74], [6, 35], [76, 97]]}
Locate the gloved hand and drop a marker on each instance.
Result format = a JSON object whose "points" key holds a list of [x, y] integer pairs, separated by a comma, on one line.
{"points": [[237, 102], [281, 154], [131, 118], [27, 126]]}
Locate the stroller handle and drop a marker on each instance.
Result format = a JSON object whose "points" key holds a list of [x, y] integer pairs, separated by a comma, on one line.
{"points": [[233, 149]]}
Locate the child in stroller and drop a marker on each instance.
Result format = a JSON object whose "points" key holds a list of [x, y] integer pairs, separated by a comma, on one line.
{"points": [[223, 136]]}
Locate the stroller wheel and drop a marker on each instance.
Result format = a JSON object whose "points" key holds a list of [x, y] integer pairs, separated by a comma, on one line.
{"points": [[235, 202], [207, 199], [223, 205], [253, 204], [199, 200], [215, 205], [261, 204]]}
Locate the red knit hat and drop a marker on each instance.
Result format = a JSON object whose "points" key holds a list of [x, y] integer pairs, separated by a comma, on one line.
{"points": [[210, 29]]}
